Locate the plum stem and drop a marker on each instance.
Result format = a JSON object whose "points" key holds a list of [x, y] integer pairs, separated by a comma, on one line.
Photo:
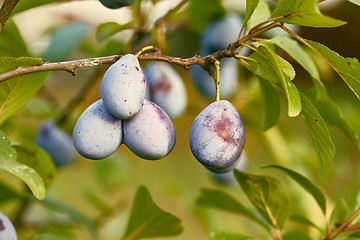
{"points": [[145, 49], [217, 80]]}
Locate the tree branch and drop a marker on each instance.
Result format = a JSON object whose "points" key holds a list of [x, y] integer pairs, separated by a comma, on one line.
{"points": [[343, 227], [5, 11]]}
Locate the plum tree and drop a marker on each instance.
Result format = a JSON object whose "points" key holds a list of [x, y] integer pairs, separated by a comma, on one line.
{"points": [[97, 134], [7, 229], [166, 88], [114, 4], [56, 143], [217, 137], [123, 87], [150, 134]]}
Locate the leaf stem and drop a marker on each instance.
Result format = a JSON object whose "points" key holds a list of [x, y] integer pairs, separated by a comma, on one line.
{"points": [[343, 227], [5, 11]]}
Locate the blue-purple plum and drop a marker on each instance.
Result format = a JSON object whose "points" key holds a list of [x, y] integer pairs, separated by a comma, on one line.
{"points": [[123, 87], [166, 88], [217, 137], [97, 134], [229, 77], [57, 143], [114, 4], [150, 134], [228, 178], [7, 229], [219, 34]]}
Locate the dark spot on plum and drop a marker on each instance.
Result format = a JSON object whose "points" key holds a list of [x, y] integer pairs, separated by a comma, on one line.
{"points": [[137, 69], [2, 226], [163, 85], [223, 130]]}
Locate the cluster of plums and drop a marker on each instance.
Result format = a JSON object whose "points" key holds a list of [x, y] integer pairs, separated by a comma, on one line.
{"points": [[124, 116], [7, 230]]}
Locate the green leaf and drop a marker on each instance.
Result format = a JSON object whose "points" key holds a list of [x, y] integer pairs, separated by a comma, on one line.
{"points": [[74, 214], [294, 49], [60, 48], [148, 220], [306, 184], [270, 66], [227, 236], [303, 13], [271, 104], [340, 213], [357, 2], [28, 4], [347, 68], [261, 14], [106, 30], [12, 43], [319, 132], [16, 92], [332, 114], [303, 220], [266, 194], [223, 201], [251, 5], [9, 164], [200, 16], [38, 159]]}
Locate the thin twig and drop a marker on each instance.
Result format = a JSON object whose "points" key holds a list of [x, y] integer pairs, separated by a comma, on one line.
{"points": [[5, 11], [343, 227]]}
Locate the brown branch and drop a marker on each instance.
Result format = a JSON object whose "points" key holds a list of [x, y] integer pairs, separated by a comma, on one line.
{"points": [[343, 227], [5, 11]]}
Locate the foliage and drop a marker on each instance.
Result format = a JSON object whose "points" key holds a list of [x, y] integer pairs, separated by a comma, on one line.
{"points": [[315, 142]]}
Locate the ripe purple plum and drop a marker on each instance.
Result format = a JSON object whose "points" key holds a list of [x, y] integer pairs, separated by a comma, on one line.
{"points": [[123, 87], [97, 134], [228, 178], [7, 230], [166, 88], [150, 134], [57, 143], [219, 34], [217, 137], [229, 77]]}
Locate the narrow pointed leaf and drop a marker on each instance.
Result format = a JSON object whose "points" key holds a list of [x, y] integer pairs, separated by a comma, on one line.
{"points": [[303, 220], [221, 200], [38, 159], [260, 14], [106, 30], [271, 104], [294, 49], [303, 13], [319, 132], [267, 64], [306, 184], [347, 68], [16, 92], [250, 8], [148, 220], [266, 194], [28, 175]]}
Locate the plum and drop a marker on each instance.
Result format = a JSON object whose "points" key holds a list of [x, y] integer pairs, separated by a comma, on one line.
{"points": [[228, 178], [229, 76], [114, 4], [123, 87], [219, 34], [7, 230], [97, 134], [166, 88], [56, 143], [150, 134], [217, 137]]}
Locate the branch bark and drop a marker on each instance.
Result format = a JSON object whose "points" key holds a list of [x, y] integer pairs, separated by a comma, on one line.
{"points": [[5, 11]]}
